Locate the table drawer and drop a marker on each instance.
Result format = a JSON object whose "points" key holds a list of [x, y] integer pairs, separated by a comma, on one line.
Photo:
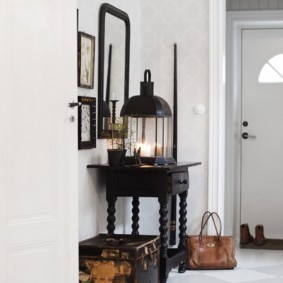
{"points": [[179, 182]]}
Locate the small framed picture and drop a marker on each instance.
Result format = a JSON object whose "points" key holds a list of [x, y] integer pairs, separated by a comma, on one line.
{"points": [[86, 122], [86, 49]]}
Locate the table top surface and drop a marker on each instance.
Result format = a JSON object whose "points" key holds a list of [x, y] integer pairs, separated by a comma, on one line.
{"points": [[145, 166]]}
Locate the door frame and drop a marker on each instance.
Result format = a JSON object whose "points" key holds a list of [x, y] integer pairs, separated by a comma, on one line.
{"points": [[236, 22], [216, 162]]}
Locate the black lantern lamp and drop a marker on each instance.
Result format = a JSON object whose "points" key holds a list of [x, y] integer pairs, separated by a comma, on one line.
{"points": [[149, 120]]}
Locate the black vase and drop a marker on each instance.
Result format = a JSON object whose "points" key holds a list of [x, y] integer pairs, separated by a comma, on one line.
{"points": [[116, 157]]}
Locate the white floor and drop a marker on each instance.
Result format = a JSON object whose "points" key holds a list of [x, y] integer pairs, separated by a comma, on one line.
{"points": [[261, 266]]}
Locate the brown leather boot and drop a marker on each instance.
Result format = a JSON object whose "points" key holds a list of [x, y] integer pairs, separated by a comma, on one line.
{"points": [[245, 235], [259, 235]]}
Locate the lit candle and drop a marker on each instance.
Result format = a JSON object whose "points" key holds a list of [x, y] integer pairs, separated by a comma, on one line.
{"points": [[145, 149]]}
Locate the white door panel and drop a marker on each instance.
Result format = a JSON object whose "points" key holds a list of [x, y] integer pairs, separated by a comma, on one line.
{"points": [[262, 157], [39, 143]]}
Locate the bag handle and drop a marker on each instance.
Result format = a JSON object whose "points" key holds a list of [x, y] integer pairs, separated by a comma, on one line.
{"points": [[204, 221], [219, 232], [206, 216]]}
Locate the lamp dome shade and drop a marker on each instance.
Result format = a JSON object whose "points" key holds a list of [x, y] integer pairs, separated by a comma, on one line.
{"points": [[146, 104]]}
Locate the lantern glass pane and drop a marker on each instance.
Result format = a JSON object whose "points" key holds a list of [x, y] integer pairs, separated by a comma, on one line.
{"points": [[165, 136], [145, 136], [152, 135]]}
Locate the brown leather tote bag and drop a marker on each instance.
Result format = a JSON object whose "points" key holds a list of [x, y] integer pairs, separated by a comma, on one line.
{"points": [[211, 252]]}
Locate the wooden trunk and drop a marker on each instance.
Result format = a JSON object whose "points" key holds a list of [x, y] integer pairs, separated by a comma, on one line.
{"points": [[120, 259]]}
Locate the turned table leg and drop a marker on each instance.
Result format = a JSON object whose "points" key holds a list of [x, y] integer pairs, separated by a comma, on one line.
{"points": [[183, 220], [163, 229], [111, 215], [135, 216], [183, 227]]}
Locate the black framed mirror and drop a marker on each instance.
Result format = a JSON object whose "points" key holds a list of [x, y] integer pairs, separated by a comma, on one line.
{"points": [[113, 65]]}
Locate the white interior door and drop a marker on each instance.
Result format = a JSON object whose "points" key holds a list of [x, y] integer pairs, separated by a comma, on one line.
{"points": [[262, 109], [38, 179]]}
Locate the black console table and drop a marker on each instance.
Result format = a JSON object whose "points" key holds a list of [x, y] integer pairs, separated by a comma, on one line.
{"points": [[161, 182]]}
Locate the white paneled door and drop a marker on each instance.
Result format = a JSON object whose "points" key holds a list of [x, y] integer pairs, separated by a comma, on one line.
{"points": [[38, 152], [262, 141]]}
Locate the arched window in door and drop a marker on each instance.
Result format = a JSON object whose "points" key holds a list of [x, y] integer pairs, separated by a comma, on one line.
{"points": [[272, 71]]}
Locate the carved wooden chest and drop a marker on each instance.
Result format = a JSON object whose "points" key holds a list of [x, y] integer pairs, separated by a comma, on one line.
{"points": [[120, 259]]}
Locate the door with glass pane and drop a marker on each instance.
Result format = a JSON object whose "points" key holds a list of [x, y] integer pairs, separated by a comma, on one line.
{"points": [[262, 130]]}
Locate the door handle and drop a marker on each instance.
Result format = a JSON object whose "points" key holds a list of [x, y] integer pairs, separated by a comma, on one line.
{"points": [[245, 136], [74, 104]]}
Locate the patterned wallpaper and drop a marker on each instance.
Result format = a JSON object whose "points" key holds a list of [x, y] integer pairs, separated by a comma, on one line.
{"points": [[155, 26], [164, 22]]}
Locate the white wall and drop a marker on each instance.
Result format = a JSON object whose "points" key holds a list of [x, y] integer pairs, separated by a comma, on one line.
{"points": [[155, 26], [92, 199]]}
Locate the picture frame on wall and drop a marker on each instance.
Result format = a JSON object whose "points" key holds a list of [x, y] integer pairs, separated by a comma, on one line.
{"points": [[86, 53], [86, 122]]}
